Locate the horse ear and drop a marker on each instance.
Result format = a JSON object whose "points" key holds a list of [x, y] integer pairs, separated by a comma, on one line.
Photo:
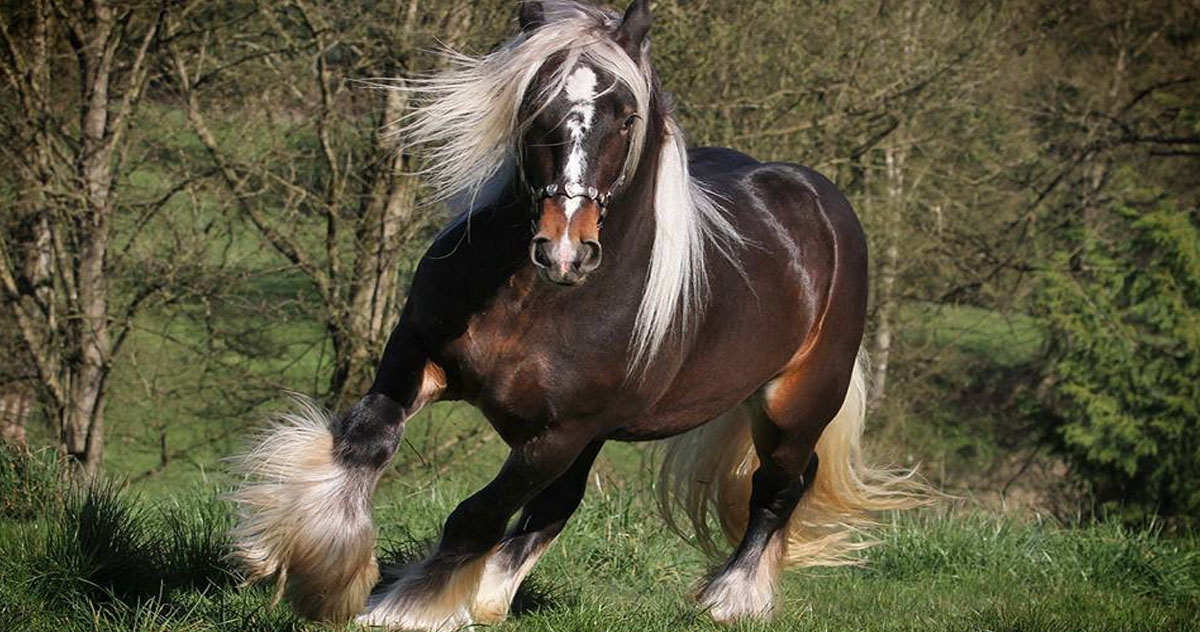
{"points": [[532, 15], [634, 26]]}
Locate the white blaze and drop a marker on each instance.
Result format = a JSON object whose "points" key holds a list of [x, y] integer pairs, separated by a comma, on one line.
{"points": [[581, 92]]}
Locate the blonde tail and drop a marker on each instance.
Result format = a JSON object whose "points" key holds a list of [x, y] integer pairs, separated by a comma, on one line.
{"points": [[709, 470], [305, 519]]}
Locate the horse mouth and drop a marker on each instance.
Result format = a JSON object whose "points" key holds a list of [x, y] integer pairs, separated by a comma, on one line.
{"points": [[571, 279]]}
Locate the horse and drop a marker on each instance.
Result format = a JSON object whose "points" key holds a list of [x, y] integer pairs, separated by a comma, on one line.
{"points": [[599, 282]]}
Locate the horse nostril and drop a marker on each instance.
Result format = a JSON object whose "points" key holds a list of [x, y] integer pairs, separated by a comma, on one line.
{"points": [[592, 253], [537, 254]]}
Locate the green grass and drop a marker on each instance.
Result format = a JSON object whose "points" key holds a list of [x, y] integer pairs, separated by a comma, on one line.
{"points": [[113, 559], [1003, 340]]}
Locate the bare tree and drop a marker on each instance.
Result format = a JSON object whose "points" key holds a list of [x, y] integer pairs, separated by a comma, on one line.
{"points": [[343, 207], [56, 286]]}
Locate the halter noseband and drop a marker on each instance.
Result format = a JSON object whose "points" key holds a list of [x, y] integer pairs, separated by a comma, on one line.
{"points": [[573, 190]]}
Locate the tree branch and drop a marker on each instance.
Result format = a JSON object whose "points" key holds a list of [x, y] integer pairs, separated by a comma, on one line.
{"points": [[33, 339]]}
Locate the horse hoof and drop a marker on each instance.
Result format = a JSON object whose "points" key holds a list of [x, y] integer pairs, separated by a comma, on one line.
{"points": [[430, 597], [414, 617]]}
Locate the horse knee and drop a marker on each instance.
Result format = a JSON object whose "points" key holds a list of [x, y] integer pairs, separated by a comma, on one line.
{"points": [[367, 435]]}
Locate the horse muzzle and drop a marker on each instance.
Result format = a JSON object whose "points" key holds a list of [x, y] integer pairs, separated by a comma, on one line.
{"points": [[565, 261], [566, 247]]}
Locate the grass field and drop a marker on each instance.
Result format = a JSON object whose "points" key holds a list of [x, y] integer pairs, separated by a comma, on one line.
{"points": [[118, 558]]}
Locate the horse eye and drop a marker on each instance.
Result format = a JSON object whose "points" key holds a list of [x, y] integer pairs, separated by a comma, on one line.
{"points": [[628, 124]]}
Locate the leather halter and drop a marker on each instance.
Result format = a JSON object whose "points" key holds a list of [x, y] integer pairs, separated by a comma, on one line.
{"points": [[573, 190]]}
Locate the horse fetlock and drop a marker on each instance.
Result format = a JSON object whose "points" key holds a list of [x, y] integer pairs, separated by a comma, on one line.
{"points": [[430, 596]]}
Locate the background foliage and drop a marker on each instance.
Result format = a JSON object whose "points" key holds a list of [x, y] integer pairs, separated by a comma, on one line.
{"points": [[1123, 396], [201, 208]]}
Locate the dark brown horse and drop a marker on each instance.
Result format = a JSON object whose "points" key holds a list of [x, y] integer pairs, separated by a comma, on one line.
{"points": [[601, 282]]}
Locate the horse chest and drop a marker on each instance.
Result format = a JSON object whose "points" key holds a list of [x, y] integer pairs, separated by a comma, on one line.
{"points": [[519, 368]]}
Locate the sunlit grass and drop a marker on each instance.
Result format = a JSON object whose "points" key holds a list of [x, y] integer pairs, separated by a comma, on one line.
{"points": [[112, 559]]}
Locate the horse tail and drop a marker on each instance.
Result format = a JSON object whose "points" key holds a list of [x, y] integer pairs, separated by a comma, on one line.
{"points": [[304, 509], [708, 471]]}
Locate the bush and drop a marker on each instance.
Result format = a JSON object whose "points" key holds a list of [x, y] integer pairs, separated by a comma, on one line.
{"points": [[1123, 396]]}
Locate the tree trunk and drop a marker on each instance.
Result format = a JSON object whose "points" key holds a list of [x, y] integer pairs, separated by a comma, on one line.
{"points": [[887, 301], [58, 296], [387, 222], [885, 297], [82, 417], [16, 407]]}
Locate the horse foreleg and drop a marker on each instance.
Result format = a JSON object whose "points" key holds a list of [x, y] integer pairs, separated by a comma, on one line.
{"points": [[304, 507], [540, 523], [438, 593]]}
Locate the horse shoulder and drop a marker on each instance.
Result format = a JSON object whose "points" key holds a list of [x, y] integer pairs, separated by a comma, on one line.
{"points": [[469, 262]]}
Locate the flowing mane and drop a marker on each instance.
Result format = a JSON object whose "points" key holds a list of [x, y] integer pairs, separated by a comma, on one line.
{"points": [[468, 119]]}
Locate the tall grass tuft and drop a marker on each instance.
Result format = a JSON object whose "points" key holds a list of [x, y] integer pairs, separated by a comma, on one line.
{"points": [[195, 544], [110, 536], [31, 483], [99, 553]]}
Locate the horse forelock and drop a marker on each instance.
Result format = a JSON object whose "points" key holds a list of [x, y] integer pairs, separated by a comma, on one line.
{"points": [[472, 152]]}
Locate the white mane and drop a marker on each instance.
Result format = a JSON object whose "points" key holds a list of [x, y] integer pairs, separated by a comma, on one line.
{"points": [[468, 119]]}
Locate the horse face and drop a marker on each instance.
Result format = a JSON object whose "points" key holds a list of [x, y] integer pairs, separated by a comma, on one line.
{"points": [[574, 154]]}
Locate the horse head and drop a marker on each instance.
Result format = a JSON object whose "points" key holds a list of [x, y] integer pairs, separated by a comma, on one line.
{"points": [[584, 127]]}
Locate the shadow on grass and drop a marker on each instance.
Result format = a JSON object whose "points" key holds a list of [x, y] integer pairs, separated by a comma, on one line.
{"points": [[112, 546]]}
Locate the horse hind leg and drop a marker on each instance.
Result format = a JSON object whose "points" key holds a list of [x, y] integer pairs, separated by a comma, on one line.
{"points": [[745, 586], [811, 487]]}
